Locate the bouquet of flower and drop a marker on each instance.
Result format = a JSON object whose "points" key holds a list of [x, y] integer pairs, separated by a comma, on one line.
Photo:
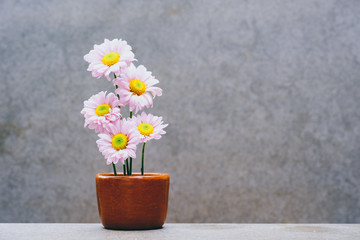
{"points": [[135, 87]]}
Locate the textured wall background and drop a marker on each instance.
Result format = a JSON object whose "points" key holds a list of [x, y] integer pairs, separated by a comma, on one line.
{"points": [[262, 98]]}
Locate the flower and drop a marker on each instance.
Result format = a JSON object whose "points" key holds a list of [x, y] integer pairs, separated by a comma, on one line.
{"points": [[110, 56], [136, 88], [119, 143], [149, 126], [101, 110]]}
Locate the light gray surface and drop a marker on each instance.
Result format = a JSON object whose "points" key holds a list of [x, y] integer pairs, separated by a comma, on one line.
{"points": [[183, 231], [262, 98]]}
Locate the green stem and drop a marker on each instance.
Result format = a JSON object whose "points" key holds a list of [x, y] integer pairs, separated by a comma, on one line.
{"points": [[124, 169], [131, 158], [127, 167], [130, 165], [114, 168], [116, 86], [142, 159]]}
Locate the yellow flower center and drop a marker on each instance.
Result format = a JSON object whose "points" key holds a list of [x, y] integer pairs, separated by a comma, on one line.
{"points": [[137, 86], [119, 141], [146, 129], [102, 109], [111, 58]]}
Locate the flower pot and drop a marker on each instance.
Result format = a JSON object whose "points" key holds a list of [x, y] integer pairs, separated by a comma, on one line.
{"points": [[132, 202]]}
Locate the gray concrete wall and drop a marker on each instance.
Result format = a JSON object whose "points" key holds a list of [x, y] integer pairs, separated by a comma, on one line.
{"points": [[262, 98]]}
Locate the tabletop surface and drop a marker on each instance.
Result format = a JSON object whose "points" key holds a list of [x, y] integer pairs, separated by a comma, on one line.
{"points": [[95, 231]]}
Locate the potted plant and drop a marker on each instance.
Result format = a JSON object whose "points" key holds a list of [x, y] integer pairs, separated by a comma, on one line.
{"points": [[126, 200]]}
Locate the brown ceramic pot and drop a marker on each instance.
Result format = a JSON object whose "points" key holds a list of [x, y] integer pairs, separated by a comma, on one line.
{"points": [[132, 202]]}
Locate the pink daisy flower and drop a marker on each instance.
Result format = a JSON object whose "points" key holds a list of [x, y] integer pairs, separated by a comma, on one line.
{"points": [[119, 143], [110, 56], [101, 110], [136, 88], [149, 126]]}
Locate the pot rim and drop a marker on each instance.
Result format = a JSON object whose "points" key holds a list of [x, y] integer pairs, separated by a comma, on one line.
{"points": [[133, 176]]}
